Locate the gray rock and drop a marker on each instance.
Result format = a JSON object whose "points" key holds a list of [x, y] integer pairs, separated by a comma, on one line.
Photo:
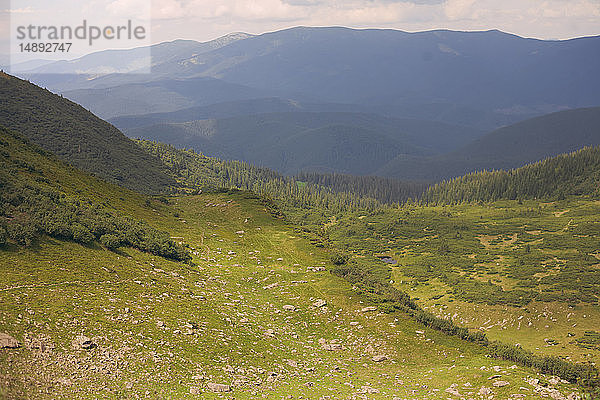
{"points": [[331, 346], [289, 307], [379, 358], [484, 391], [83, 342], [320, 303], [8, 342], [367, 309], [218, 387], [501, 383], [269, 333]]}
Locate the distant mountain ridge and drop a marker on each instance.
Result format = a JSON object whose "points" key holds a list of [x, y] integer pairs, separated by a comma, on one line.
{"points": [[508, 147], [290, 142], [491, 73], [133, 60]]}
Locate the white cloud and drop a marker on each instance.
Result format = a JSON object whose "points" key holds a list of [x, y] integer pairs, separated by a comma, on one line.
{"points": [[459, 9], [207, 19], [25, 10], [139, 8]]}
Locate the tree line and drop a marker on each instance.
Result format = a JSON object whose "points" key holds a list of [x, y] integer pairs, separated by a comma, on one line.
{"points": [[572, 174], [195, 171], [385, 190]]}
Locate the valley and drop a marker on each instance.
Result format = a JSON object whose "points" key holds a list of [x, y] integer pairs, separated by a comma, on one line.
{"points": [[249, 314], [307, 213]]}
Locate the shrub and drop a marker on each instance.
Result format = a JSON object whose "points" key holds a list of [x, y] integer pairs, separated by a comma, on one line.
{"points": [[3, 236], [81, 234], [110, 241], [22, 230], [339, 258]]}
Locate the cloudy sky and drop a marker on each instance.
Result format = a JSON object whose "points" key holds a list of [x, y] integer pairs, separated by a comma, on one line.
{"points": [[547, 19], [206, 19]]}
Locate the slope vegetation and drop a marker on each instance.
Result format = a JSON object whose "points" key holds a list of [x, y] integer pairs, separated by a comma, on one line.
{"points": [[77, 136], [256, 314], [574, 174]]}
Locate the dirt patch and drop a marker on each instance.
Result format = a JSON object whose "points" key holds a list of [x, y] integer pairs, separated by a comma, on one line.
{"points": [[486, 240], [534, 232]]}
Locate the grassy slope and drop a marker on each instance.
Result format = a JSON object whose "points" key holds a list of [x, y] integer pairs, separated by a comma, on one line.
{"points": [[215, 314], [482, 276], [43, 288], [77, 136]]}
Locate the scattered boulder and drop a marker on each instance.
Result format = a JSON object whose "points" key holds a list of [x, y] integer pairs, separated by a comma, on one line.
{"points": [[500, 383], [554, 380], [485, 391], [64, 381], [83, 342], [218, 387], [272, 377], [379, 358], [320, 303], [8, 342], [367, 309], [368, 390], [289, 307], [269, 333], [271, 286], [195, 390], [452, 390], [332, 345]]}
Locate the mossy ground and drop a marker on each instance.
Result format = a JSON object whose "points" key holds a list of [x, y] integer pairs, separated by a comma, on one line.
{"points": [[524, 272], [165, 329]]}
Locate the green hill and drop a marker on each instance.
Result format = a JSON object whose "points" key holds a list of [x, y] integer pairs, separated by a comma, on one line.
{"points": [[256, 313], [77, 136], [42, 195], [488, 259]]}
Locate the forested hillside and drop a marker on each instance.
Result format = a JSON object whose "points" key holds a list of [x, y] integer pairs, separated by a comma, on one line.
{"points": [[386, 190], [78, 137], [290, 142], [196, 171], [573, 174], [509, 147]]}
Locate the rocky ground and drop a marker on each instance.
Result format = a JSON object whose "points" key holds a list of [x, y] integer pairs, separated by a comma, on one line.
{"points": [[257, 316]]}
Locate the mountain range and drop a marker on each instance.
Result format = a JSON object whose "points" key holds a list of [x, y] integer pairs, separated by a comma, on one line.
{"points": [[481, 79], [427, 105]]}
